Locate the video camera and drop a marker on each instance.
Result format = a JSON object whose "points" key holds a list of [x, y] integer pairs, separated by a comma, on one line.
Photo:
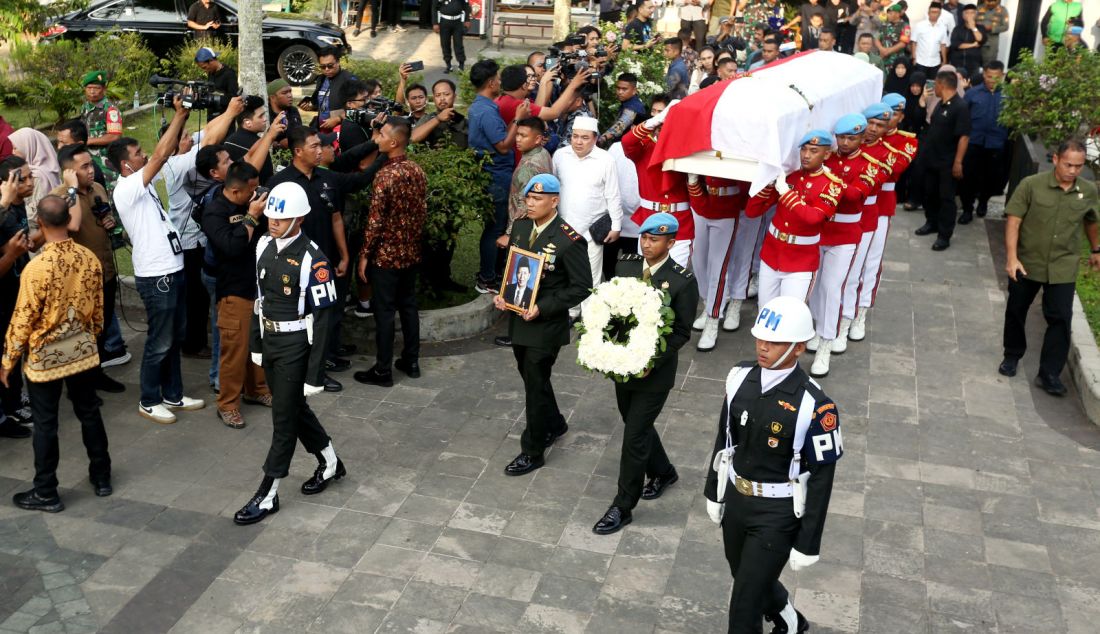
{"points": [[366, 115], [196, 95], [102, 209], [731, 45], [572, 63]]}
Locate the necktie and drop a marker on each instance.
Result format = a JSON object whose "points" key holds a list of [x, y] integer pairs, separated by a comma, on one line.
{"points": [[519, 295], [646, 274], [533, 236]]}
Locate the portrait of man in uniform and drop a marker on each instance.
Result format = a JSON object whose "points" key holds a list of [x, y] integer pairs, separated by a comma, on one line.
{"points": [[522, 277]]}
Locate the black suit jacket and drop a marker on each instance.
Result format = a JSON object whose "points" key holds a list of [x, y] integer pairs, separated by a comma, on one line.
{"points": [[510, 294], [684, 291], [566, 281]]}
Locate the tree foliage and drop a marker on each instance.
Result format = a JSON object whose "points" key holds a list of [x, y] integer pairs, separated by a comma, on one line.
{"points": [[1054, 98], [458, 191], [30, 17]]}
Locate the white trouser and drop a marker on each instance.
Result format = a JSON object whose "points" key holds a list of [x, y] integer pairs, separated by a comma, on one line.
{"points": [[872, 269], [762, 230], [595, 262], [851, 285], [740, 268], [778, 284], [710, 257], [826, 299], [680, 252]]}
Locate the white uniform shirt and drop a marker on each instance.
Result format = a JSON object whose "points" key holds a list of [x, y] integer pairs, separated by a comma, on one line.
{"points": [[928, 38], [182, 182], [629, 197], [145, 220], [690, 12], [589, 189]]}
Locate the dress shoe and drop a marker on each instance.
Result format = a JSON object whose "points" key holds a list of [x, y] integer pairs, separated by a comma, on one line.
{"points": [[505, 342], [786, 623], [612, 521], [966, 218], [909, 207], [410, 368], [983, 208], [31, 501], [319, 482], [447, 69], [524, 464], [346, 350], [11, 429], [332, 385], [925, 229], [1051, 384], [941, 244], [336, 364], [104, 383], [263, 503], [102, 488], [375, 377], [552, 436], [655, 487], [1008, 366]]}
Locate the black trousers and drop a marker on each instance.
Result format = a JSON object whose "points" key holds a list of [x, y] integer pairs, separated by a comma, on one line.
{"points": [[45, 403], [698, 30], [1058, 312], [758, 534], [929, 71], [450, 33], [643, 455], [197, 299], [543, 415], [389, 11], [110, 291], [394, 292], [939, 198], [611, 254], [343, 286], [435, 266], [11, 396], [914, 185], [983, 176], [286, 356]]}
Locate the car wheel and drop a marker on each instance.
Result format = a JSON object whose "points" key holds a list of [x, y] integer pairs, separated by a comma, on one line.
{"points": [[297, 64]]}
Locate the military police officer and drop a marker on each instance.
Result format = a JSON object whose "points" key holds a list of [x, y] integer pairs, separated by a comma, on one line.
{"points": [[103, 119], [778, 442], [540, 332], [640, 400], [451, 20], [289, 335]]}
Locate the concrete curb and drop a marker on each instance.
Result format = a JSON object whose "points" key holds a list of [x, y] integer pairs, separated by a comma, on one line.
{"points": [[1084, 362], [443, 324]]}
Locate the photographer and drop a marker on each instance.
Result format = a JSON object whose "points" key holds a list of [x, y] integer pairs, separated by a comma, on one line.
{"points": [[631, 109], [158, 268], [223, 77], [445, 126], [329, 94], [324, 223], [350, 132], [251, 126], [513, 80]]}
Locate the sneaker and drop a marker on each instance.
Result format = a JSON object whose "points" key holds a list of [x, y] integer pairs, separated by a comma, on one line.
{"points": [[31, 501], [486, 288], [22, 416], [111, 359], [186, 403], [231, 418], [399, 29], [11, 429], [362, 310], [157, 413], [259, 399]]}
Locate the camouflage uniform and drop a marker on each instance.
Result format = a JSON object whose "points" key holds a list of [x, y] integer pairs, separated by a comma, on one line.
{"points": [[889, 34], [102, 118], [995, 21]]}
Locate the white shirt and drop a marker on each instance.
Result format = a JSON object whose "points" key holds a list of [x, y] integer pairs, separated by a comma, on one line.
{"points": [[589, 189], [182, 182], [928, 38], [948, 20], [691, 12], [144, 219], [629, 197], [772, 378]]}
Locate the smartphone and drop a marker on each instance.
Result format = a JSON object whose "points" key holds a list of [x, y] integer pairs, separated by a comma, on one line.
{"points": [[739, 20], [930, 84], [416, 66]]}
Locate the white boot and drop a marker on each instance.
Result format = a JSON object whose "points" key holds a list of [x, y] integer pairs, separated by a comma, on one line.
{"points": [[700, 321], [840, 344], [733, 316], [859, 326], [820, 367], [709, 338], [812, 344], [754, 286]]}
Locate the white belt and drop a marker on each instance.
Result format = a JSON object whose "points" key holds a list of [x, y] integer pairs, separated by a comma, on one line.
{"points": [[732, 190], [460, 16], [296, 325], [783, 236], [846, 218], [888, 187], [747, 487], [871, 200], [664, 207]]}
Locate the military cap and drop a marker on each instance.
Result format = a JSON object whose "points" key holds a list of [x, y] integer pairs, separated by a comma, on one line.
{"points": [[878, 111], [894, 101], [543, 184], [850, 124], [94, 77], [816, 137], [662, 224]]}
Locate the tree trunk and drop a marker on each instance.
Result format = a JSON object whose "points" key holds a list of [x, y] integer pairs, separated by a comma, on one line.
{"points": [[250, 50], [562, 21]]}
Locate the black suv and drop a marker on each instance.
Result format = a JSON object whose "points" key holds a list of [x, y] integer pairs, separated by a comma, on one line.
{"points": [[290, 44]]}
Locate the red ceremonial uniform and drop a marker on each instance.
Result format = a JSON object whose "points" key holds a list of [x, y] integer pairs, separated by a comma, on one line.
{"points": [[904, 146], [659, 190], [793, 239], [882, 158], [861, 177], [718, 198]]}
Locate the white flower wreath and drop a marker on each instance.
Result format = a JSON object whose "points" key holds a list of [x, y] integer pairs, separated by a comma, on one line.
{"points": [[624, 327]]}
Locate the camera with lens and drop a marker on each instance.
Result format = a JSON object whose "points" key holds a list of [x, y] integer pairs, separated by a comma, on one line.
{"points": [[731, 45], [195, 95], [102, 210], [571, 63], [375, 106]]}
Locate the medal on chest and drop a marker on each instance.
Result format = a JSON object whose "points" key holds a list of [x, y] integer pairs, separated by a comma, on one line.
{"points": [[551, 252]]}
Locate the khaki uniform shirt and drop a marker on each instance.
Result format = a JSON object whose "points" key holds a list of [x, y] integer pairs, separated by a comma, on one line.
{"points": [[1050, 231], [92, 234]]}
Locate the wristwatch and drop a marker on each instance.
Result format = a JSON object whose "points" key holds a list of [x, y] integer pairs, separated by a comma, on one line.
{"points": [[71, 194], [250, 220]]}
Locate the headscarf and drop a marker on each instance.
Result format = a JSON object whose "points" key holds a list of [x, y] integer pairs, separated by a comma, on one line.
{"points": [[915, 117], [39, 154], [894, 83]]}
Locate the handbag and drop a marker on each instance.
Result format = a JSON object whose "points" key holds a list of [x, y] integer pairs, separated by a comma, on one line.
{"points": [[599, 229]]}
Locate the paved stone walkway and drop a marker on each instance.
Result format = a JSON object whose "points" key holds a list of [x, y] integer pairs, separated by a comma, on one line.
{"points": [[965, 501]]}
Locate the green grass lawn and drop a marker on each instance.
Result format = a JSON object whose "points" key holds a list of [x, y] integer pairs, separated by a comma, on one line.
{"points": [[1088, 290]]}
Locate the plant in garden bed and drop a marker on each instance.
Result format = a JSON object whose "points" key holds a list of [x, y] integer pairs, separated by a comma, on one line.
{"points": [[648, 65], [384, 72]]}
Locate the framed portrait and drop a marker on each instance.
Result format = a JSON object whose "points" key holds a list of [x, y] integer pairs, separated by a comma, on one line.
{"points": [[522, 275]]}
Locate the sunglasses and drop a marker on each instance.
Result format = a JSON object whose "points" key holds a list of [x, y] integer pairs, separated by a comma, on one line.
{"points": [[327, 66]]}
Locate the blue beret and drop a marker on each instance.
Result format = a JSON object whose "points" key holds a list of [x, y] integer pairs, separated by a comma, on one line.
{"points": [[1076, 30], [817, 137], [543, 184], [661, 224], [894, 100], [878, 111], [850, 124]]}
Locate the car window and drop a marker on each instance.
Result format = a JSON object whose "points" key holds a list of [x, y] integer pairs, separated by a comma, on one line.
{"points": [[156, 10], [115, 11]]}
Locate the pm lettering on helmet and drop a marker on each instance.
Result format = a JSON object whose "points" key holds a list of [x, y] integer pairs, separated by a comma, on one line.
{"points": [[275, 205], [769, 318]]}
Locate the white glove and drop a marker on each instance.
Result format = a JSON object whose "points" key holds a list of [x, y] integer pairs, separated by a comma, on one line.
{"points": [[799, 561], [781, 185], [655, 122], [257, 358], [693, 179], [310, 390], [715, 510]]}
